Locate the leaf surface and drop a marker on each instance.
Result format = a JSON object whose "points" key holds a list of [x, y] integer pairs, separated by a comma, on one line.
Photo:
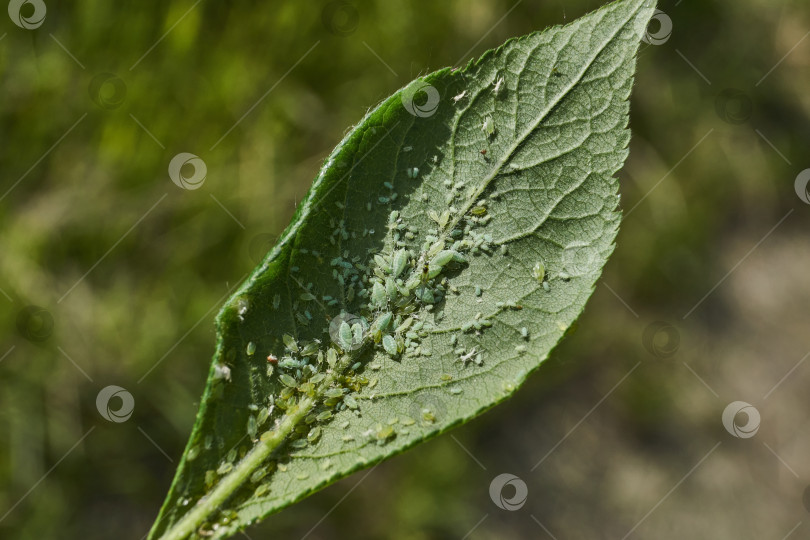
{"points": [[445, 247]]}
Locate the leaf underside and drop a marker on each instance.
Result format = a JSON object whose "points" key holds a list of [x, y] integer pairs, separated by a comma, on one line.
{"points": [[482, 204]]}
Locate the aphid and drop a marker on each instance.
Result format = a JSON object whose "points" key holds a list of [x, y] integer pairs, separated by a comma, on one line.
{"points": [[389, 344], [290, 342], [546, 286], [251, 427], [524, 332], [488, 127], [378, 294], [459, 97], [539, 271], [331, 357], [400, 260], [271, 359], [478, 291], [484, 152], [520, 349], [412, 172], [479, 210], [498, 85], [382, 322], [455, 390], [345, 336], [407, 148], [286, 380], [357, 333], [314, 434], [251, 348], [383, 433], [276, 301], [350, 402]]}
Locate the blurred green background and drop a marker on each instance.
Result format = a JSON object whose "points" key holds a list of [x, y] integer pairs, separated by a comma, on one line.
{"points": [[616, 435]]}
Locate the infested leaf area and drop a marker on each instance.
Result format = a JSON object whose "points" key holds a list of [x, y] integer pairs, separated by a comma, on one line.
{"points": [[445, 247]]}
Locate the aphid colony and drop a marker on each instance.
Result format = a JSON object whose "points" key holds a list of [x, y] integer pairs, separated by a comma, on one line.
{"points": [[395, 289]]}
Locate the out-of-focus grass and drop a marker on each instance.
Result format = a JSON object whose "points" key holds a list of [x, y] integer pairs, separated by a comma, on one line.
{"points": [[133, 306]]}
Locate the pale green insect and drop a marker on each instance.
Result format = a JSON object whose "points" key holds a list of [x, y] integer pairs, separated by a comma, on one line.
{"points": [[400, 260], [488, 127], [345, 335], [378, 294], [539, 271], [290, 342], [389, 344], [251, 348]]}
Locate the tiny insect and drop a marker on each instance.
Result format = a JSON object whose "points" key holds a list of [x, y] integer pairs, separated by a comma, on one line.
{"points": [[488, 127], [484, 152], [498, 85], [251, 348], [459, 97]]}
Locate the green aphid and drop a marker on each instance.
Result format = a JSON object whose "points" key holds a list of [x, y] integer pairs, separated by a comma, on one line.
{"points": [[251, 348], [357, 333], [382, 322], [546, 286], [310, 349], [290, 342], [400, 260], [391, 289], [345, 336], [442, 258], [378, 295], [479, 211], [539, 271], [382, 263], [383, 432], [425, 295], [389, 344], [288, 381], [307, 297], [350, 402], [314, 434], [331, 357]]}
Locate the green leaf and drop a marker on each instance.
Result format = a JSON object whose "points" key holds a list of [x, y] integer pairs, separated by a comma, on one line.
{"points": [[489, 193]]}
